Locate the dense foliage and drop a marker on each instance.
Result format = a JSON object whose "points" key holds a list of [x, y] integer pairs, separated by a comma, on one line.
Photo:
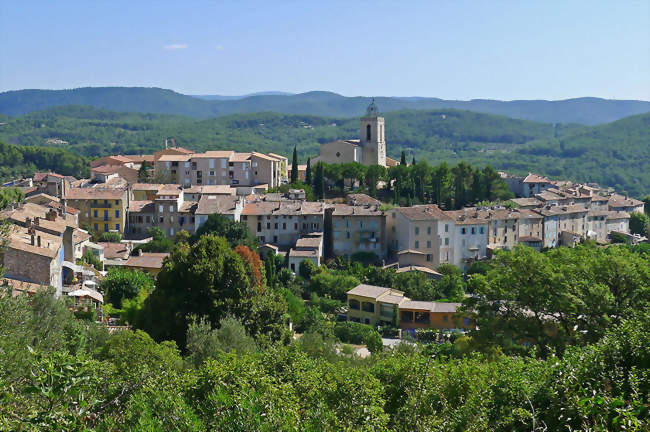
{"points": [[614, 154], [63, 374], [22, 161]]}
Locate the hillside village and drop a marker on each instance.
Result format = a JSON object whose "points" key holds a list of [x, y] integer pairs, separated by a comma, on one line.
{"points": [[52, 229]]}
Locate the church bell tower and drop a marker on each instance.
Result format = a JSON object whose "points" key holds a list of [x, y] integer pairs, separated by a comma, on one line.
{"points": [[372, 137]]}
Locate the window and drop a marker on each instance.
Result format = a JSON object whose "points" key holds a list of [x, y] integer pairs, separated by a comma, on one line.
{"points": [[481, 230], [354, 304], [117, 213], [422, 317], [417, 230], [417, 244], [473, 230], [446, 227], [268, 225], [429, 257], [284, 226], [106, 203], [406, 316], [105, 215], [160, 208], [161, 219], [368, 307], [347, 234], [276, 225], [428, 243], [105, 227], [429, 230], [368, 133], [117, 227], [445, 318], [94, 213], [463, 230], [171, 208], [96, 227], [446, 241]]}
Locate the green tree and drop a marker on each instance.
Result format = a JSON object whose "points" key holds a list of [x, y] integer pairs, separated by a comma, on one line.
{"points": [[236, 233], [319, 182], [209, 279], [640, 223], [402, 159], [120, 284]]}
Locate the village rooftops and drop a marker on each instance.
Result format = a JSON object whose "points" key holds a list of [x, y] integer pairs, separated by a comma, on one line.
{"points": [[283, 208], [534, 178], [19, 287], [20, 239], [216, 154], [309, 242], [141, 206], [93, 193], [146, 186], [362, 200], [240, 157], [560, 210], [423, 212], [356, 210], [221, 204], [616, 200], [527, 202], [175, 158], [42, 176], [149, 260], [468, 216], [168, 190], [410, 268], [617, 215], [115, 250], [303, 253]]}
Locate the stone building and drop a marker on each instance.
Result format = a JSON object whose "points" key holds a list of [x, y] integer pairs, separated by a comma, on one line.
{"points": [[282, 223], [360, 228], [369, 149]]}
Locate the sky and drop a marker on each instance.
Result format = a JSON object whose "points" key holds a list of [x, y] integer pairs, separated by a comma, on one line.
{"points": [[447, 49]]}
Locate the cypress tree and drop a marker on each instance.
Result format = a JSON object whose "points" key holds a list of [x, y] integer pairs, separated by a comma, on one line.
{"points": [[308, 178], [294, 166], [413, 162], [402, 160], [320, 181]]}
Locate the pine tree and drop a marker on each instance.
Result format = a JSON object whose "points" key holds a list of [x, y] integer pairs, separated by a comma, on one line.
{"points": [[308, 178], [294, 166], [402, 160]]}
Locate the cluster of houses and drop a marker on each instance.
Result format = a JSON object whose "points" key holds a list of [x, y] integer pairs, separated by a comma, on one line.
{"points": [[50, 230]]}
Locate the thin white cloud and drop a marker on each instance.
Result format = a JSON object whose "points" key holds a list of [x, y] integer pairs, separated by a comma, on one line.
{"points": [[174, 47], [219, 47]]}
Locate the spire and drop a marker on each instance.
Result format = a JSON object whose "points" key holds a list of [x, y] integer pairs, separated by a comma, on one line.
{"points": [[372, 110]]}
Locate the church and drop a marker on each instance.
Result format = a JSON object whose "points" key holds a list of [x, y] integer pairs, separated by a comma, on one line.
{"points": [[370, 149]]}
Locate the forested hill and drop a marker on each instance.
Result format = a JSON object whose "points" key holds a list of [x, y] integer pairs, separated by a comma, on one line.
{"points": [[615, 154], [588, 111]]}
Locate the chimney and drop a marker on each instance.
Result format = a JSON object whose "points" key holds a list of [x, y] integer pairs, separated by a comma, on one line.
{"points": [[36, 220], [32, 239], [28, 222], [38, 241], [51, 215]]}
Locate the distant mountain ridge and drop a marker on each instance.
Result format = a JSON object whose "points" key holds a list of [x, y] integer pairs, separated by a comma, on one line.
{"points": [[588, 111]]}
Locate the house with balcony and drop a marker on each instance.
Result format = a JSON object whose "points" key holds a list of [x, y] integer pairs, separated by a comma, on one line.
{"points": [[356, 228], [101, 210]]}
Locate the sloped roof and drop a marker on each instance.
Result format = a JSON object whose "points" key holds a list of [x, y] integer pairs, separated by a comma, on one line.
{"points": [[423, 212]]}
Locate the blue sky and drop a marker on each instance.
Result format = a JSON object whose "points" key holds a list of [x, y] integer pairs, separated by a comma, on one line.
{"points": [[447, 49]]}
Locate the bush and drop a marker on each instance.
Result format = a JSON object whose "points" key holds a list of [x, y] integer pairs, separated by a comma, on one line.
{"points": [[109, 237], [356, 333]]}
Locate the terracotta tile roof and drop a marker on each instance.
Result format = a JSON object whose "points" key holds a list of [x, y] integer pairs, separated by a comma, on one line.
{"points": [[438, 307], [146, 186], [618, 215], [355, 210], [20, 239], [218, 190], [115, 250], [528, 239], [616, 200], [411, 268], [188, 207], [534, 178], [94, 193], [526, 202], [240, 157], [362, 199], [140, 158], [175, 158], [309, 242], [468, 216], [219, 204], [423, 212], [279, 156], [141, 206], [217, 154], [19, 287], [371, 291], [308, 253], [147, 260]]}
